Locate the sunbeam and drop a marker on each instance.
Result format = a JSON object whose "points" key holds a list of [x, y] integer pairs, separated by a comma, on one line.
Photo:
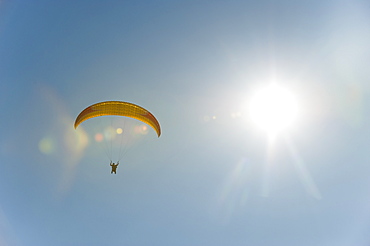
{"points": [[302, 170]]}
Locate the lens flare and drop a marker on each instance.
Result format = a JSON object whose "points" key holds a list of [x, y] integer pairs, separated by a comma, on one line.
{"points": [[46, 146], [76, 141], [141, 129], [99, 137], [109, 133], [119, 130]]}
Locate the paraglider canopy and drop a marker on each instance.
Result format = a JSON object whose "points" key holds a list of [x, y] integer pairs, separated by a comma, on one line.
{"points": [[120, 109]]}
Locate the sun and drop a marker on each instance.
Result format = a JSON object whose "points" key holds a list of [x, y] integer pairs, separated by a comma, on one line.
{"points": [[273, 109]]}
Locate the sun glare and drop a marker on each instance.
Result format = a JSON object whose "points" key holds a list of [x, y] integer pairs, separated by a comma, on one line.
{"points": [[273, 109]]}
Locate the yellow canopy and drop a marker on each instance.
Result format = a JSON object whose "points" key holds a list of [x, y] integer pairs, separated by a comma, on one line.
{"points": [[121, 109]]}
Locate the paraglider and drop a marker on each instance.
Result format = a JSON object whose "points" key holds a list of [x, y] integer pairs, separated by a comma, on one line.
{"points": [[114, 167], [118, 108]]}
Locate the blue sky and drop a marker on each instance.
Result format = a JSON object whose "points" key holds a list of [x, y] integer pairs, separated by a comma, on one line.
{"points": [[212, 178]]}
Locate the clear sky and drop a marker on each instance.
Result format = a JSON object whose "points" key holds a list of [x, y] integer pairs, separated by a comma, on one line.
{"points": [[213, 177]]}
